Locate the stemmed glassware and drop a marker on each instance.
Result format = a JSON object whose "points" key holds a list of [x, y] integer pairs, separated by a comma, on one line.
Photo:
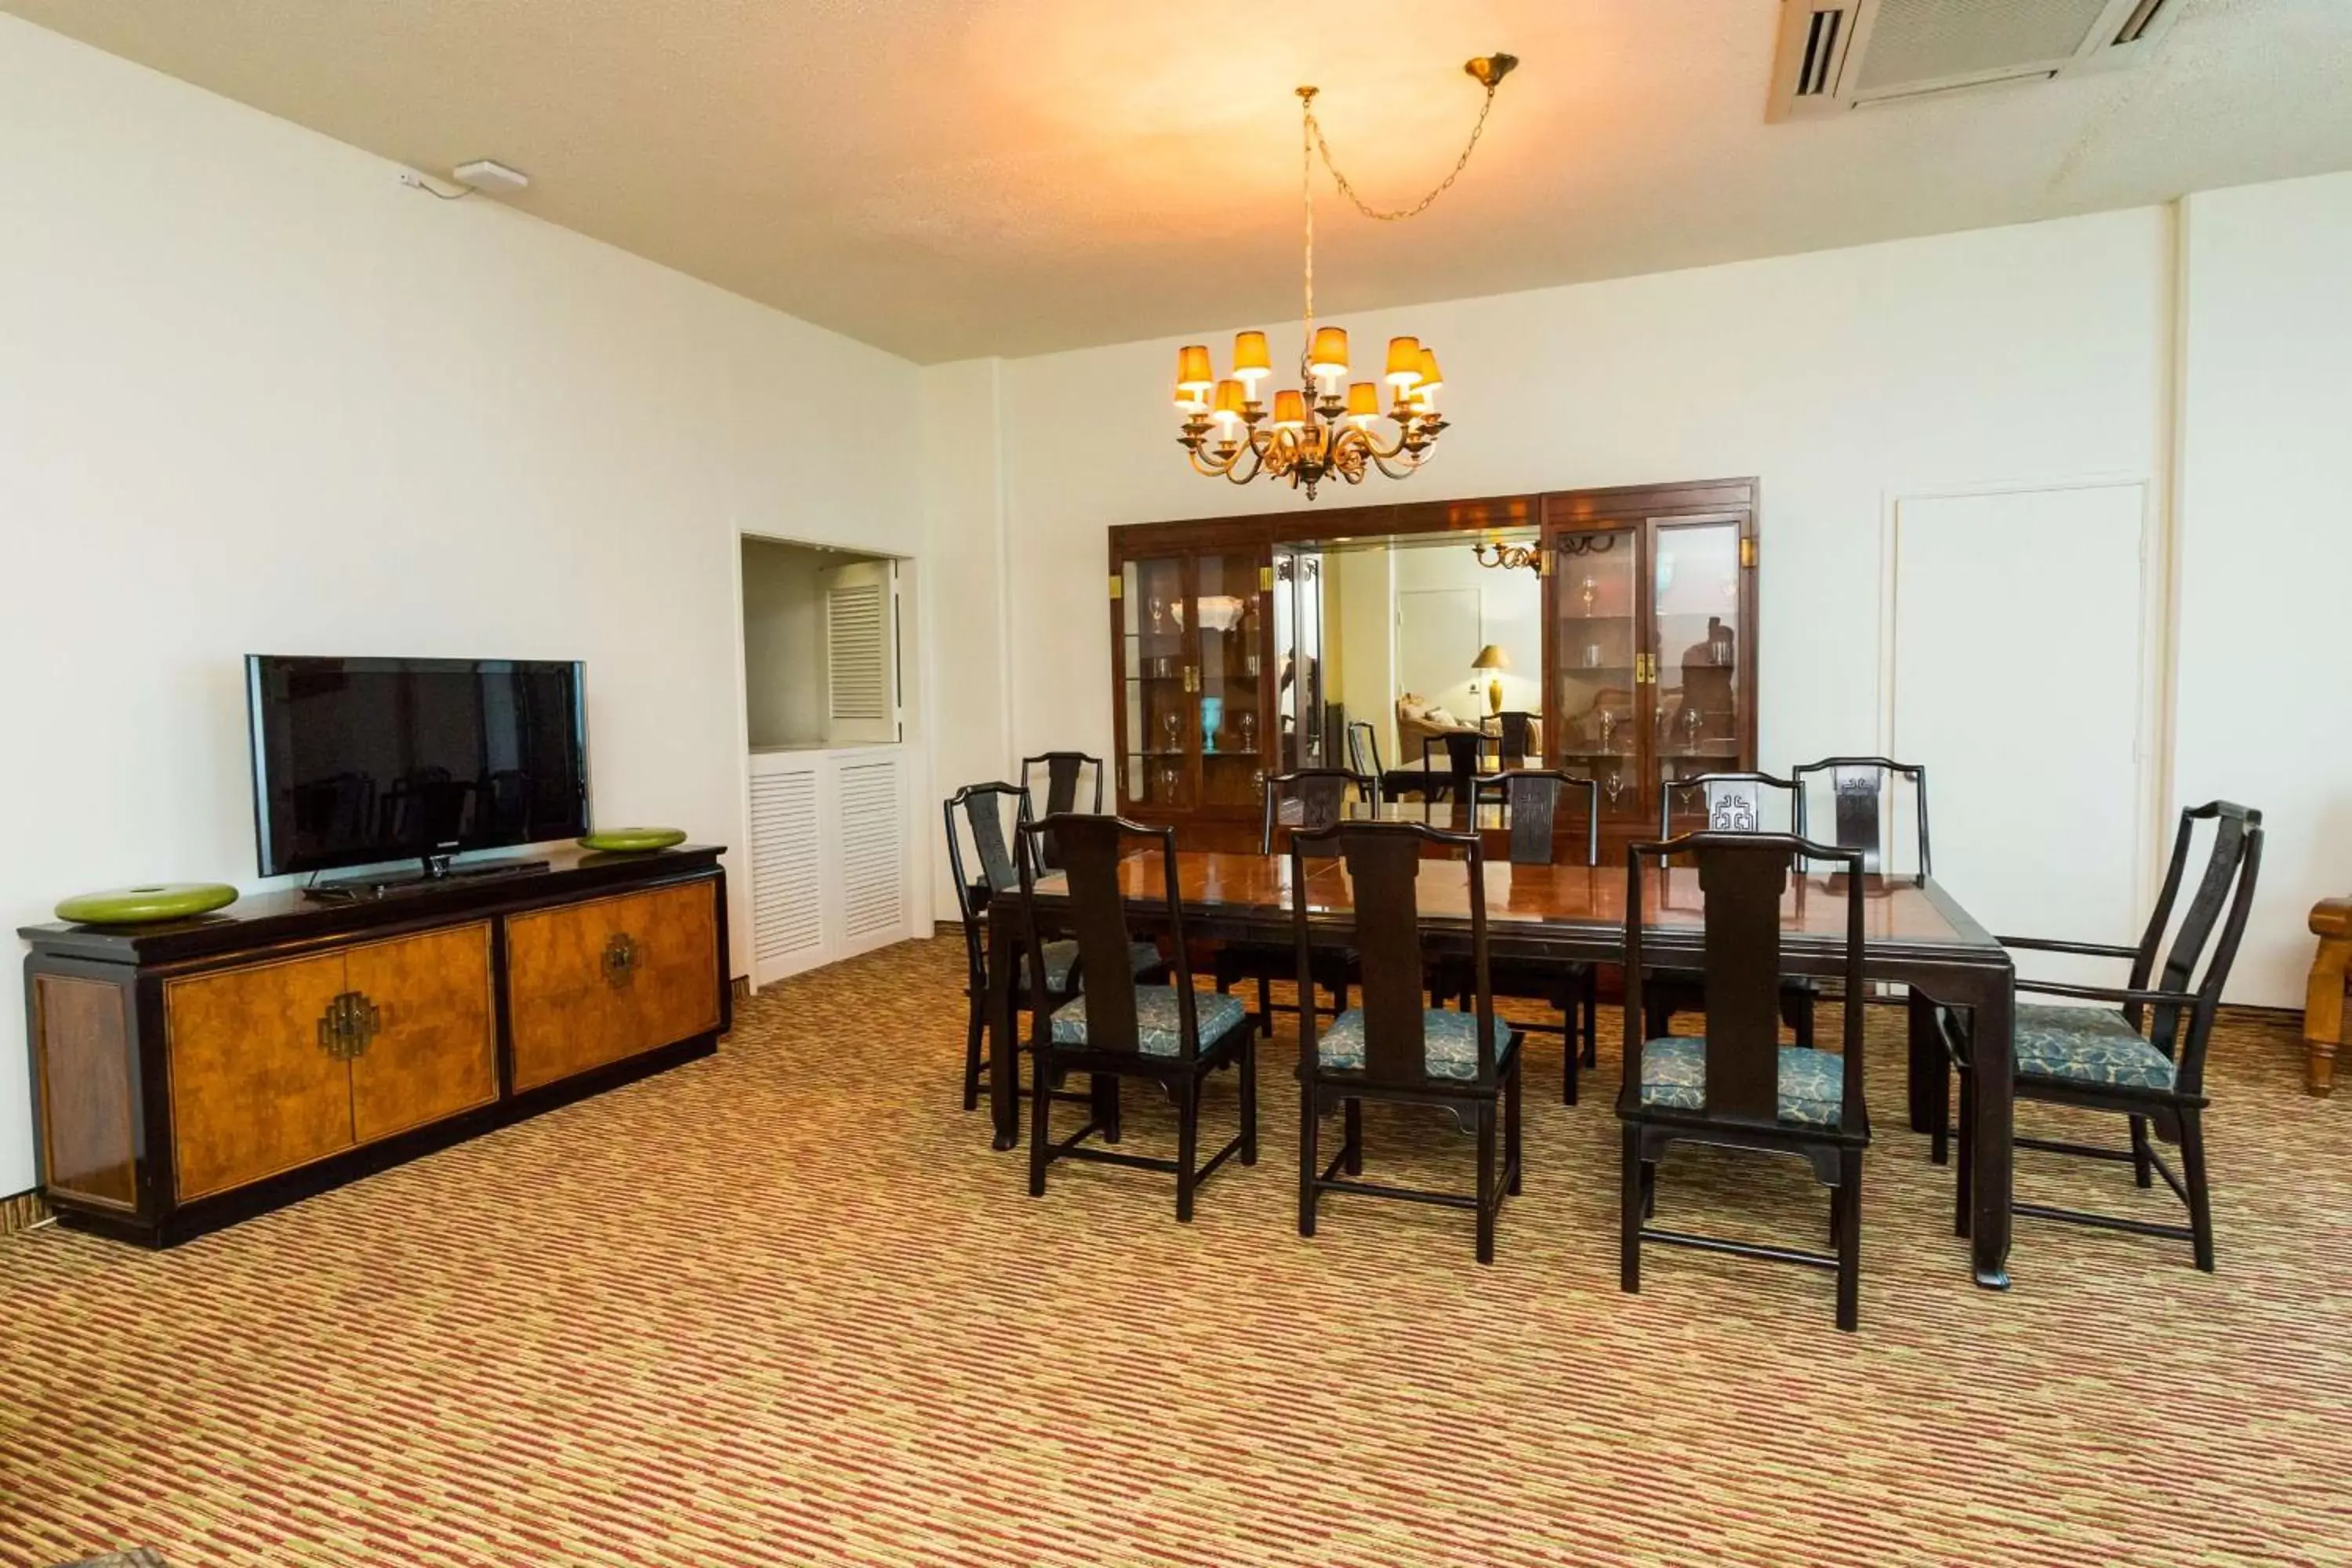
{"points": [[1173, 723], [1608, 729], [1158, 614], [1246, 721]]}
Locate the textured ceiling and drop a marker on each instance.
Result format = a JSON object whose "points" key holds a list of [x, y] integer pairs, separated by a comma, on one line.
{"points": [[949, 178]]}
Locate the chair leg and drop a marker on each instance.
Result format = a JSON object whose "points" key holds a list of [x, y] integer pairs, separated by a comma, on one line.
{"points": [[1649, 1189], [1353, 1148], [1041, 1107], [2143, 1167], [1265, 1005], [2193, 1176], [1592, 1016], [1567, 1074], [1511, 1172], [974, 1028], [1629, 1218], [1940, 1130], [1849, 1269], [1188, 1144], [1105, 1091], [1486, 1181], [1797, 1008], [1309, 1157], [1963, 1187], [1249, 1096]]}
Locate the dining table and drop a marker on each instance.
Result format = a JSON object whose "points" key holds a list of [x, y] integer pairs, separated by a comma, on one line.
{"points": [[1915, 935]]}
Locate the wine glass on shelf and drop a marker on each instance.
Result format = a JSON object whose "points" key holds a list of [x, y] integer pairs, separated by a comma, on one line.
{"points": [[1612, 787], [1158, 614], [1174, 724], [1608, 729], [1245, 722], [1589, 593], [1692, 721]]}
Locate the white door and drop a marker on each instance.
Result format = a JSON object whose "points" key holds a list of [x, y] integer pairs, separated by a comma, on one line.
{"points": [[2021, 650], [861, 652]]}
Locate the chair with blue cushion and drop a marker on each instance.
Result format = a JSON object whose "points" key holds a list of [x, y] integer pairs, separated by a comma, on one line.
{"points": [[1115, 1028], [1737, 1086], [991, 812], [1729, 803], [2142, 1051], [1302, 798], [1067, 775], [1859, 798], [1394, 1047]]}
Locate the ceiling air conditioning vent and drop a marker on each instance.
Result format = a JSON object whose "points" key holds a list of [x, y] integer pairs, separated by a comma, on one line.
{"points": [[1846, 54]]}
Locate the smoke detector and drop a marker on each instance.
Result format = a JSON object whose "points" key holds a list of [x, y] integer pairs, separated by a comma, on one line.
{"points": [[490, 177]]}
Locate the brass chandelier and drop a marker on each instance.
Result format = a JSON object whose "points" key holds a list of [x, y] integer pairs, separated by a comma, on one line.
{"points": [[1318, 432]]}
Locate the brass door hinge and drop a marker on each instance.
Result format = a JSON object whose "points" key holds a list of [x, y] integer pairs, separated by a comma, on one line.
{"points": [[1117, 585], [1748, 553], [1265, 579]]}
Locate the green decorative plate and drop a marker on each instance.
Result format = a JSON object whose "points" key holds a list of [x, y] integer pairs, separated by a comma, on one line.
{"points": [[628, 840], [142, 906]]}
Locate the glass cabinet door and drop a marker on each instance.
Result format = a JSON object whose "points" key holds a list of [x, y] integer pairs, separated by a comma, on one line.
{"points": [[1299, 694], [1156, 678], [1596, 707], [1223, 615], [1694, 648]]}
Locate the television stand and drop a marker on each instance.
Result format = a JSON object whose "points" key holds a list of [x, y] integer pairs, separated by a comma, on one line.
{"points": [[435, 872]]}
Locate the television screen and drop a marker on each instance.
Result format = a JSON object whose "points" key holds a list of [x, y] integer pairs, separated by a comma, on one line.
{"points": [[364, 760]]}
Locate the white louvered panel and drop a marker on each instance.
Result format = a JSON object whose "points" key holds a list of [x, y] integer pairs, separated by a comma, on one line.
{"points": [[857, 631], [787, 910], [873, 847], [1935, 40]]}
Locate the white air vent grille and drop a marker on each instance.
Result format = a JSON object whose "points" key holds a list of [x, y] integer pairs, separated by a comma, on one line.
{"points": [[1846, 54], [857, 631], [787, 914], [873, 854]]}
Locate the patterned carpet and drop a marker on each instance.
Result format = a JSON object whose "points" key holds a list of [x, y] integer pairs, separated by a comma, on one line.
{"points": [[786, 1306]]}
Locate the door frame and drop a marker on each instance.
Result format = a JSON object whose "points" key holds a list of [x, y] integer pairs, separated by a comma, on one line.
{"points": [[2152, 726]]}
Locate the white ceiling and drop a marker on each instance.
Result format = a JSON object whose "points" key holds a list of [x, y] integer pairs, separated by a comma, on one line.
{"points": [[950, 178]]}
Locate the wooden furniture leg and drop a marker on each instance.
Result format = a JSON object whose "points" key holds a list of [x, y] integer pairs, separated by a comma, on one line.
{"points": [[2323, 1006]]}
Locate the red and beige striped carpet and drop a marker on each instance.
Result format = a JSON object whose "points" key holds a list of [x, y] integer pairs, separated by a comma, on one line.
{"points": [[786, 1307]]}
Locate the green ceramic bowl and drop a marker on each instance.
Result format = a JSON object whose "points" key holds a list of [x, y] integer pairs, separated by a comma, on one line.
{"points": [[142, 906], [633, 840]]}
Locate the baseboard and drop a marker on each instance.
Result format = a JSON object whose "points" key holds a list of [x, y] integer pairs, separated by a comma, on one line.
{"points": [[743, 985], [22, 1212]]}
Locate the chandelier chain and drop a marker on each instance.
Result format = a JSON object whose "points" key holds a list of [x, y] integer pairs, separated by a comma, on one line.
{"points": [[1315, 130]]}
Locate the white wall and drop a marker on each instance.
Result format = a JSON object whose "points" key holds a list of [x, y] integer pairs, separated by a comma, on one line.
{"points": [[258, 396], [783, 644], [1510, 616], [2266, 548]]}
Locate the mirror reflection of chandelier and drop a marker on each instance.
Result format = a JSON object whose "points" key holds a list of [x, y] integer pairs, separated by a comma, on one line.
{"points": [[1329, 426]]}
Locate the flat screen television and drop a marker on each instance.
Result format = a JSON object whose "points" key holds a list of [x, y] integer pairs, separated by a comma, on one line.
{"points": [[363, 761]]}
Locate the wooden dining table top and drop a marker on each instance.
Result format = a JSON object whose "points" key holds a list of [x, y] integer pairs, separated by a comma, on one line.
{"points": [[1895, 910]]}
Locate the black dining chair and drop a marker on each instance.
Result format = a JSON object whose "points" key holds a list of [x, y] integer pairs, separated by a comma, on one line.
{"points": [[1303, 799], [1395, 1048], [1728, 802], [1857, 792], [1534, 802], [2141, 1053], [1736, 1085], [1068, 774], [1364, 756], [992, 814], [1465, 753], [1515, 734], [1170, 1035]]}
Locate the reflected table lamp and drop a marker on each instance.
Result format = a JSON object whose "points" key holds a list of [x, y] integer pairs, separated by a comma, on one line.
{"points": [[1491, 658]]}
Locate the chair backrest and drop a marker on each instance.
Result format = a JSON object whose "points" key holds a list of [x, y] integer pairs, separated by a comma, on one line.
{"points": [[1384, 862], [2231, 867], [1364, 747], [1092, 847], [1310, 798], [1531, 799], [1465, 749], [1857, 790], [987, 809], [1727, 803], [1742, 877], [1516, 730], [1066, 776]]}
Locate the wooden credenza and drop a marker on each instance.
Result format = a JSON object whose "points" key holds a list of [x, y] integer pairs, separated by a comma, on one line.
{"points": [[191, 1074]]}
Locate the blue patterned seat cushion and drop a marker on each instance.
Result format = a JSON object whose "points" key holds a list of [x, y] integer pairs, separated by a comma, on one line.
{"points": [[1158, 1025], [1449, 1043], [2086, 1044], [1812, 1083], [1061, 957]]}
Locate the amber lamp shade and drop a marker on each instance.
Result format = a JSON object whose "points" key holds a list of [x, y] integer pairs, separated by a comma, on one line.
{"points": [[1363, 402], [1432, 378], [1405, 363], [1328, 357], [1490, 659], [1289, 410], [1227, 408], [1193, 376], [1250, 361]]}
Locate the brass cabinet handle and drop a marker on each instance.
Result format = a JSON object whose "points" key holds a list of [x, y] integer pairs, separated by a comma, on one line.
{"points": [[621, 959], [349, 1025]]}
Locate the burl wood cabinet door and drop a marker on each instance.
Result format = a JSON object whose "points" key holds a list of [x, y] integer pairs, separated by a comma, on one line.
{"points": [[434, 1051], [253, 1092], [595, 983]]}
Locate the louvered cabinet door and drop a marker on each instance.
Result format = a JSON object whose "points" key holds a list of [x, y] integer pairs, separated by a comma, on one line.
{"points": [[872, 849], [787, 882]]}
